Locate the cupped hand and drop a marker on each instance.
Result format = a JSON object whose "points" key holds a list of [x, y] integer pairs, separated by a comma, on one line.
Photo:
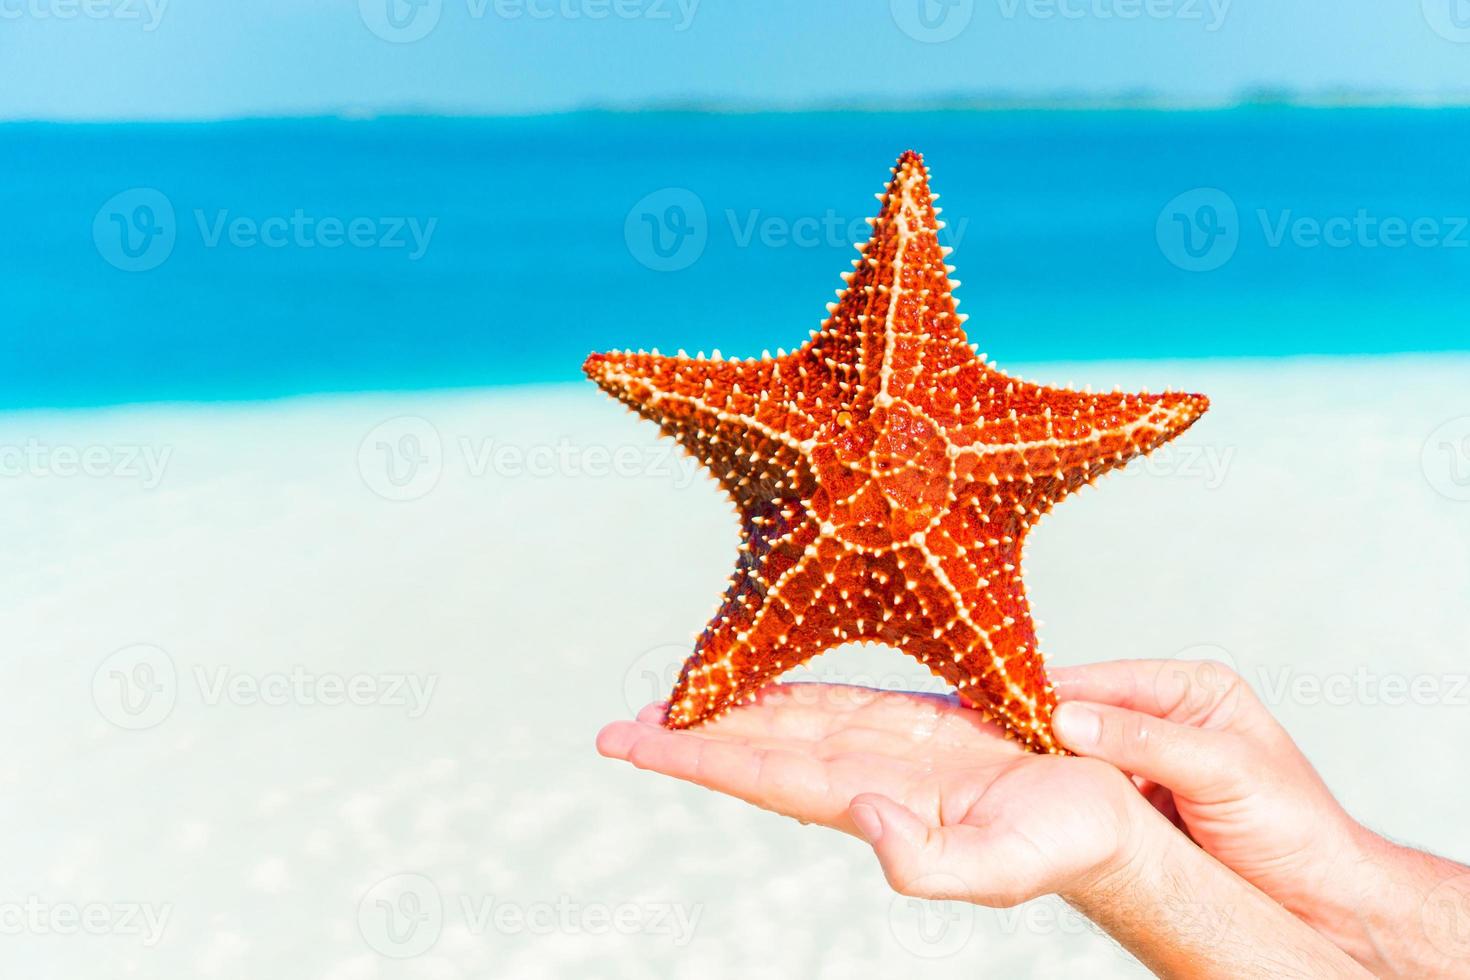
{"points": [[952, 809], [1211, 758]]}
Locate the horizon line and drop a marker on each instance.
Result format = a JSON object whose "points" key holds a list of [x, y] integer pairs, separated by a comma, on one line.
{"points": [[1254, 98]]}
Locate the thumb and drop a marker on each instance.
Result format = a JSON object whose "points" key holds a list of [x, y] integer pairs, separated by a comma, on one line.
{"points": [[924, 861], [1196, 763]]}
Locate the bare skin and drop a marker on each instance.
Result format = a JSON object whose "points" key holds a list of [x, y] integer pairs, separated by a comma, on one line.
{"points": [[955, 811], [1213, 760]]}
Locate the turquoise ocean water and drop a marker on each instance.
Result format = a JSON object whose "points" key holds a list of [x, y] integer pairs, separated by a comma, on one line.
{"points": [[264, 258]]}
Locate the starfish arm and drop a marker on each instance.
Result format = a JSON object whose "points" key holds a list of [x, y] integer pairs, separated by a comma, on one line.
{"points": [[897, 311], [759, 631], [744, 420], [1047, 442], [974, 627]]}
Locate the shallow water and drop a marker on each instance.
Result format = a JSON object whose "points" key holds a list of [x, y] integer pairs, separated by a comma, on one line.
{"points": [[250, 259]]}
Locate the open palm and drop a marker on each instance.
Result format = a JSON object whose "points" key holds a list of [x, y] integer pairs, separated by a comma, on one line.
{"points": [[953, 809]]}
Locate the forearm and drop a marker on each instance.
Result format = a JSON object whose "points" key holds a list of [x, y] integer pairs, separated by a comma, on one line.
{"points": [[1398, 911], [1183, 914]]}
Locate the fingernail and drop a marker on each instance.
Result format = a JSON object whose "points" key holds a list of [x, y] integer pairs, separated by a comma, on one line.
{"points": [[1076, 725], [869, 824]]}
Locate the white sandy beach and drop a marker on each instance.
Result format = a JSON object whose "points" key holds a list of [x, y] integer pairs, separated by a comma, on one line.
{"points": [[252, 670]]}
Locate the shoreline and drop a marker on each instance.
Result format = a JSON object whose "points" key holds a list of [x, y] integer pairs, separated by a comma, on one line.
{"points": [[1042, 371], [960, 106]]}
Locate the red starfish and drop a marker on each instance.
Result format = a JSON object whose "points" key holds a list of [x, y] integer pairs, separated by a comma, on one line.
{"points": [[885, 477]]}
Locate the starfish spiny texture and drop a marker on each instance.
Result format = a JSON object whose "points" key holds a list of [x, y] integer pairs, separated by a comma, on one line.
{"points": [[885, 476]]}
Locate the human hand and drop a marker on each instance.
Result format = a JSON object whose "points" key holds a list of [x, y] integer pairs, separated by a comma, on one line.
{"points": [[952, 808], [955, 811], [1213, 759]]}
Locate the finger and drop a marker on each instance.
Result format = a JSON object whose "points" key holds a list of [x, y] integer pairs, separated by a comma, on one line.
{"points": [[772, 716], [1185, 691], [783, 780], [849, 740], [935, 862], [616, 739], [653, 714], [1200, 763], [853, 747]]}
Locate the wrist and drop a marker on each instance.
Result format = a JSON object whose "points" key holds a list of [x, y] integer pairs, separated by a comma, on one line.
{"points": [[1183, 914], [1328, 883], [1144, 845], [1350, 877], [1382, 908]]}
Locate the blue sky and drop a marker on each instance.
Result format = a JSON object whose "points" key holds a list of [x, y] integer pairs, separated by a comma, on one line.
{"points": [[145, 59]]}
